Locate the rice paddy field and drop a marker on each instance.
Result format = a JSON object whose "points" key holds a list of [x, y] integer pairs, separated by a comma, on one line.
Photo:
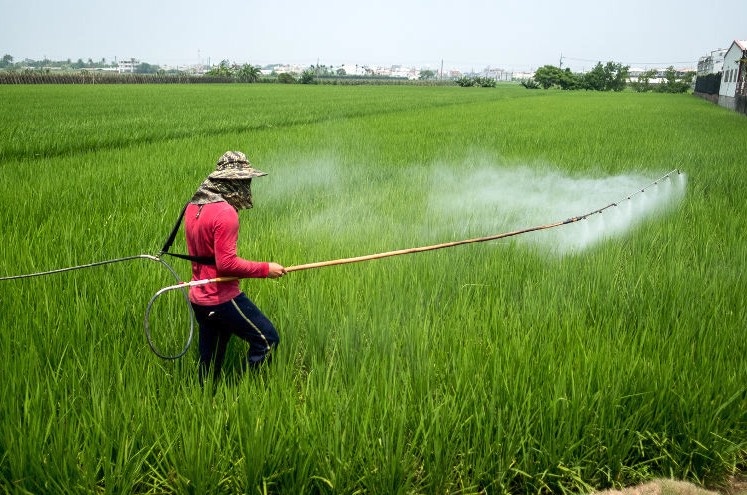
{"points": [[594, 355]]}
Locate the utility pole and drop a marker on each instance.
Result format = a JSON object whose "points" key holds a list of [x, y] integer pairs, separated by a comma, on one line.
{"points": [[561, 60]]}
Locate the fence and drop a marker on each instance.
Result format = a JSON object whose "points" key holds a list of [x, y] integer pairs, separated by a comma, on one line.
{"points": [[34, 77], [105, 78], [708, 84]]}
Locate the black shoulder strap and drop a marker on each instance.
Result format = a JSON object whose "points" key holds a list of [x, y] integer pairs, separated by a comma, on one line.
{"points": [[172, 236], [203, 260]]}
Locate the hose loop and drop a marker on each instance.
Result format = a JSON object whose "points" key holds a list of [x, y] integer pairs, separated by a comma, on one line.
{"points": [[150, 303], [146, 323]]}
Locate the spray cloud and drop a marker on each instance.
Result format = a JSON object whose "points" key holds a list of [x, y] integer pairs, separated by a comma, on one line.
{"points": [[475, 199], [490, 199]]}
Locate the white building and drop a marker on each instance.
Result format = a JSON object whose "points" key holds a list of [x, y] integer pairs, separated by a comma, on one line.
{"points": [[353, 70], [735, 71], [712, 63], [522, 75], [127, 66], [405, 72], [283, 69], [497, 74]]}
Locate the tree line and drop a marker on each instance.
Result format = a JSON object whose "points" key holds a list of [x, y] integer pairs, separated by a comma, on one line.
{"points": [[611, 76], [8, 63], [313, 75]]}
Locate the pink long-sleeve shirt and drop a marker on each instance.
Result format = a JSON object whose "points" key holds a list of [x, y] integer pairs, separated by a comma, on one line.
{"points": [[212, 230]]}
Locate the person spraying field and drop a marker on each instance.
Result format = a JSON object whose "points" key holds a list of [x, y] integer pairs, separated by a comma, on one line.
{"points": [[211, 224], [213, 297]]}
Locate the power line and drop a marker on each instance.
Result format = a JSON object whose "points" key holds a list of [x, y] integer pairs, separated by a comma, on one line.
{"points": [[632, 63]]}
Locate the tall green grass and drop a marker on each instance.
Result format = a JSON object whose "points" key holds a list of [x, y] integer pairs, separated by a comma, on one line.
{"points": [[491, 368]]}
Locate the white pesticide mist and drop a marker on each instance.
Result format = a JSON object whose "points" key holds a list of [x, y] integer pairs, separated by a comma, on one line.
{"points": [[326, 202], [320, 175], [490, 200], [317, 194]]}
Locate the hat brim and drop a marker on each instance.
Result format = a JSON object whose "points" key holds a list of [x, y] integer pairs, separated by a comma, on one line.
{"points": [[247, 173]]}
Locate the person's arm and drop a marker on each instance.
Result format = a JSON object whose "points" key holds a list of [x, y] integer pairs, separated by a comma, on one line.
{"points": [[227, 262]]}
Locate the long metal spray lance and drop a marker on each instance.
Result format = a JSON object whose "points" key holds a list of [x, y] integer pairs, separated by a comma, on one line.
{"points": [[308, 266], [368, 257]]}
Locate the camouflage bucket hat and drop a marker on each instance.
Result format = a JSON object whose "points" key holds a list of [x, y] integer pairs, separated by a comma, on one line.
{"points": [[234, 165]]}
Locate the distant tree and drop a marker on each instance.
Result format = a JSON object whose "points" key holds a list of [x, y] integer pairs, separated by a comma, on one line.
{"points": [[320, 70], [485, 82], [341, 72], [286, 78], [307, 77], [426, 75], [6, 61], [569, 80], [618, 76], [548, 76], [594, 79], [609, 77], [530, 84], [249, 73], [144, 68], [465, 81], [675, 83], [643, 82], [224, 69]]}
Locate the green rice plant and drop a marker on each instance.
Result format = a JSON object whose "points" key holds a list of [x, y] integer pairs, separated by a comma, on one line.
{"points": [[511, 366]]}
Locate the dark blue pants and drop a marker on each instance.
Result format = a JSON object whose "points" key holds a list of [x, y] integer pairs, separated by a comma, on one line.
{"points": [[239, 317]]}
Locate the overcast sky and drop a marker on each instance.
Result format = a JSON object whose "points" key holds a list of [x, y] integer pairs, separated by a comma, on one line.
{"points": [[464, 34]]}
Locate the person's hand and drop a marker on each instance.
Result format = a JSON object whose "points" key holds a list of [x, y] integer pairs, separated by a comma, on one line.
{"points": [[276, 270]]}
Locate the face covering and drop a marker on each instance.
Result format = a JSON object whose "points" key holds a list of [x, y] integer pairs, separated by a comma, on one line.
{"points": [[230, 182], [235, 192]]}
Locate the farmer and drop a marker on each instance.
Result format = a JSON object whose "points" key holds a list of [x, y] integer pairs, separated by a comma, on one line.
{"points": [[222, 309]]}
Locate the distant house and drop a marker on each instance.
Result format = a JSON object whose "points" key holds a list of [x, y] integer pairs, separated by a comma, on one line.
{"points": [[353, 70], [127, 66], [712, 63], [733, 90]]}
